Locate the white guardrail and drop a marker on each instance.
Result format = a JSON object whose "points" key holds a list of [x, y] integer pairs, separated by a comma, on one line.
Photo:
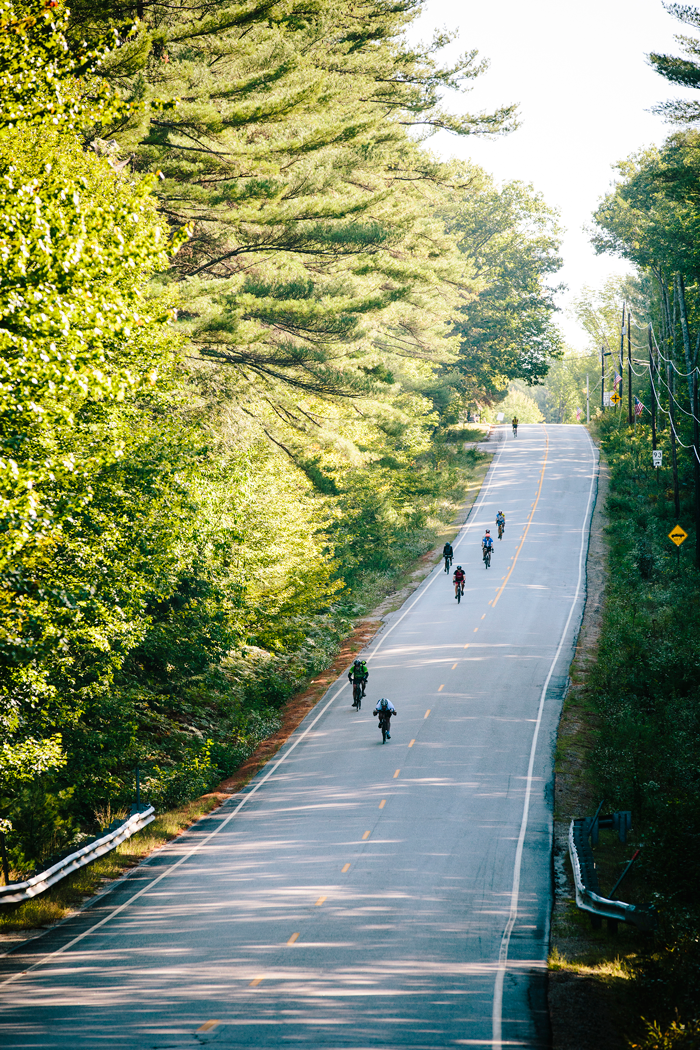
{"points": [[586, 899], [23, 891]]}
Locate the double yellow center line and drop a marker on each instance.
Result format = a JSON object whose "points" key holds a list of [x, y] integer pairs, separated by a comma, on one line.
{"points": [[529, 521]]}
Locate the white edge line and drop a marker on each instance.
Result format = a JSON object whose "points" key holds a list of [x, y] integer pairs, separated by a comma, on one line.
{"points": [[59, 951], [198, 846], [497, 1016]]}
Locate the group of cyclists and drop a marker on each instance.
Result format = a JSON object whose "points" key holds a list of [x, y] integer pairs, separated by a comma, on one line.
{"points": [[458, 576], [358, 674]]}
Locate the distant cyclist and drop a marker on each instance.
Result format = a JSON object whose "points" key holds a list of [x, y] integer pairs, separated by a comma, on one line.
{"points": [[487, 543], [501, 522], [458, 580], [359, 673], [448, 555], [515, 426]]}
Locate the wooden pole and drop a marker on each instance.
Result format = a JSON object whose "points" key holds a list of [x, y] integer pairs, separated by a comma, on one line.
{"points": [[622, 351], [588, 403], [696, 466], [602, 379], [630, 418], [652, 386], [674, 454]]}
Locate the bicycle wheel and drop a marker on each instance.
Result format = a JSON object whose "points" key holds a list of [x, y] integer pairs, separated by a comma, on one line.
{"points": [[487, 559], [384, 734], [459, 595]]}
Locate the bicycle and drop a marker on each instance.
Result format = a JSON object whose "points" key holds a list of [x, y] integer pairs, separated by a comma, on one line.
{"points": [[384, 724], [448, 562], [515, 430], [459, 591], [357, 694], [501, 530], [487, 556]]}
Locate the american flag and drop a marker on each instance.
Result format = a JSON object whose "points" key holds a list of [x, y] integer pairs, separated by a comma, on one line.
{"points": [[638, 407], [618, 379]]}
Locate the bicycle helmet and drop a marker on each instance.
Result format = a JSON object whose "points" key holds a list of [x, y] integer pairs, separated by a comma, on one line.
{"points": [[488, 532], [383, 703], [459, 566]]}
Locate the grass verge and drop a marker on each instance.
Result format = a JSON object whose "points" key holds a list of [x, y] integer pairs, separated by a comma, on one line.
{"points": [[629, 733]]}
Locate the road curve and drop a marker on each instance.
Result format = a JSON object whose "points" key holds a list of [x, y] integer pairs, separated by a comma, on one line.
{"points": [[357, 894]]}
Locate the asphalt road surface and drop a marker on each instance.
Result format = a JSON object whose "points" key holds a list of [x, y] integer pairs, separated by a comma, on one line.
{"points": [[361, 894]]}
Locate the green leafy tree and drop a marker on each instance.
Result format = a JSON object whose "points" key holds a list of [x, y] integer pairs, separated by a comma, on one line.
{"points": [[507, 331]]}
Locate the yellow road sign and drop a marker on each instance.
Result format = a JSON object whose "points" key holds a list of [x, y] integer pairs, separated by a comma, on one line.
{"points": [[615, 398], [678, 535]]}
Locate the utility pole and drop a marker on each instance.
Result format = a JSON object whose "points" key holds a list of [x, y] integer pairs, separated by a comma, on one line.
{"points": [[674, 455], [622, 350], [652, 381], [603, 355], [696, 466], [630, 417], [588, 403]]}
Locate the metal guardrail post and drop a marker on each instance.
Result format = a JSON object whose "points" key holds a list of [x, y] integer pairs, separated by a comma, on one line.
{"points": [[588, 896]]}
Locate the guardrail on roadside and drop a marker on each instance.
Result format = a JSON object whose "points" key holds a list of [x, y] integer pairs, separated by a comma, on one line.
{"points": [[588, 896], [22, 891]]}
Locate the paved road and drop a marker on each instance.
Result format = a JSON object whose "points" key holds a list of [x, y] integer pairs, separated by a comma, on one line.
{"points": [[364, 895]]}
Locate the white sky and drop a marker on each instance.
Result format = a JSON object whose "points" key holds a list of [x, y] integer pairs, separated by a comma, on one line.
{"points": [[580, 76]]}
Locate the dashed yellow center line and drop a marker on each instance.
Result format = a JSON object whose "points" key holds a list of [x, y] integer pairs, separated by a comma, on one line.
{"points": [[382, 804], [453, 666], [412, 742], [346, 867], [366, 834], [208, 1025], [257, 981], [320, 901], [441, 688], [293, 938], [396, 774], [466, 646], [529, 520], [476, 629], [427, 713], [483, 617]]}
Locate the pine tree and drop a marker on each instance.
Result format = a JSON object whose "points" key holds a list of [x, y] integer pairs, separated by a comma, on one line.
{"points": [[293, 153], [683, 71]]}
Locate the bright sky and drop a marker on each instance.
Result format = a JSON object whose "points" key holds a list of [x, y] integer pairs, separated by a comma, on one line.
{"points": [[580, 76]]}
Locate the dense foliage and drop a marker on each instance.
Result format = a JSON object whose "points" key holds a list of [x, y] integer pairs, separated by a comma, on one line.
{"points": [[646, 690], [231, 387]]}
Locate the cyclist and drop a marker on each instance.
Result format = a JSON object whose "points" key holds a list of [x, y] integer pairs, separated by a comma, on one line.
{"points": [[458, 579], [359, 673], [386, 709], [448, 555], [501, 522], [515, 426], [487, 543]]}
